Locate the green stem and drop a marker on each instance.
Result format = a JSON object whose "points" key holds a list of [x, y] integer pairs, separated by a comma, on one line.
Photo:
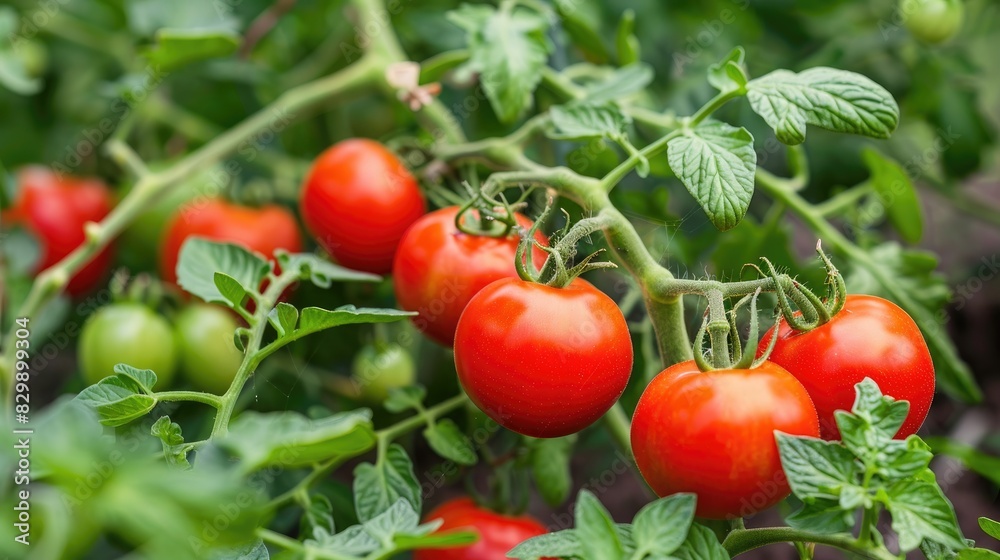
{"points": [[868, 520], [318, 472], [620, 427], [718, 330], [425, 417], [193, 396], [740, 541]]}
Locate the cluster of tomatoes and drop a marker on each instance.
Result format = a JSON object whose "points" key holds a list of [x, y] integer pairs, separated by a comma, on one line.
{"points": [[540, 360]]}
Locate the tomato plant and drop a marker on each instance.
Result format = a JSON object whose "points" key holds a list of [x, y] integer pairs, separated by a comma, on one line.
{"points": [[264, 230], [439, 268], [497, 533], [357, 201], [870, 337], [543, 361], [207, 356], [712, 434], [127, 333], [583, 218], [55, 209]]}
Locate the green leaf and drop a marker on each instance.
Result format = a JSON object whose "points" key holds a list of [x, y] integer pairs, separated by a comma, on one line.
{"points": [[833, 99], [200, 260], [622, 83], [377, 487], [405, 398], [985, 465], [550, 465], [318, 515], [121, 398], [990, 527], [172, 438], [292, 440], [729, 73], [977, 554], [896, 193], [593, 520], [824, 516], [816, 469], [716, 163], [508, 48], [563, 544], [581, 121], [175, 48], [701, 544], [449, 442], [353, 541], [284, 317], [434, 540], [400, 517], [582, 32], [662, 526], [867, 430], [626, 43], [920, 511], [230, 289], [321, 272], [14, 74], [252, 551], [315, 319]]}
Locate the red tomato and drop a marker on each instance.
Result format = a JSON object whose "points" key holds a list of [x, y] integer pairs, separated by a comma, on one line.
{"points": [[497, 533], [55, 208], [263, 230], [870, 337], [543, 361], [438, 269], [712, 433], [358, 201]]}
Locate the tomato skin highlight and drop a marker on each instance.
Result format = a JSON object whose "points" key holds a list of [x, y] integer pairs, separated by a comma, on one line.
{"points": [[870, 337], [263, 230], [438, 269], [128, 333], [543, 361], [498, 533], [55, 209], [357, 201], [712, 433]]}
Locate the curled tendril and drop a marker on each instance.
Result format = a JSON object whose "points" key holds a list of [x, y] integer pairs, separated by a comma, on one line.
{"points": [[699, 346], [485, 211]]}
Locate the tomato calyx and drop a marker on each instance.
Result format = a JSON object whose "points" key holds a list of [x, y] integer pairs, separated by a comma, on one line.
{"points": [[809, 310], [558, 270]]}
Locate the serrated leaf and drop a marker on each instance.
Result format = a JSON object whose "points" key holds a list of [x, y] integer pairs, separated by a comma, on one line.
{"points": [[563, 544], [662, 526], [920, 511], [399, 518], [353, 541], [728, 74], [716, 162], [550, 465], [593, 520], [823, 516], [317, 516], [123, 397], [990, 527], [175, 48], [701, 544], [292, 440], [508, 48], [252, 551], [405, 398], [896, 193], [284, 317], [322, 272], [377, 487], [449, 442], [816, 469], [622, 83], [903, 459], [171, 437], [230, 289], [200, 259], [581, 121], [315, 319], [833, 99]]}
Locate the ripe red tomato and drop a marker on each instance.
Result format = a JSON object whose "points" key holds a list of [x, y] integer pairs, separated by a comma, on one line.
{"points": [[358, 201], [870, 337], [263, 230], [543, 361], [712, 433], [497, 533], [438, 269], [55, 208]]}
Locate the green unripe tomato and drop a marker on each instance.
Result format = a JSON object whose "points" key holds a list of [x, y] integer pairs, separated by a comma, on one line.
{"points": [[209, 358], [380, 367], [128, 333], [932, 21]]}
